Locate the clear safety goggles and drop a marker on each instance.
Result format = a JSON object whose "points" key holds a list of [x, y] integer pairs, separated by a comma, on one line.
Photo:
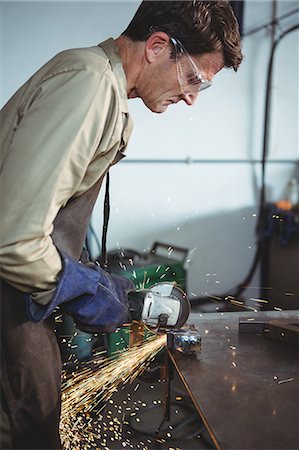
{"points": [[189, 76]]}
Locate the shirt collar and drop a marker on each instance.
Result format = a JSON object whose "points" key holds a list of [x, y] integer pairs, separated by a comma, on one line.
{"points": [[110, 48]]}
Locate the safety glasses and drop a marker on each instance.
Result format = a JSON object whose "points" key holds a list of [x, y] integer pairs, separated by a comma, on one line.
{"points": [[189, 76]]}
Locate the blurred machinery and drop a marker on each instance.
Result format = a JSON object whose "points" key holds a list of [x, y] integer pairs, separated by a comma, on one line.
{"points": [[164, 262], [280, 258]]}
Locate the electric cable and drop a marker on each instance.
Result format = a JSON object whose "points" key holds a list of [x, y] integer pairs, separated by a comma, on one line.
{"points": [[106, 215], [261, 213], [259, 229]]}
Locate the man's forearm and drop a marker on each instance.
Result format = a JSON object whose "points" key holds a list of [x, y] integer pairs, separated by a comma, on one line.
{"points": [[31, 266]]}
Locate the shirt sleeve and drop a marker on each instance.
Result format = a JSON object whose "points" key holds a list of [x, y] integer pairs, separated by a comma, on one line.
{"points": [[51, 149]]}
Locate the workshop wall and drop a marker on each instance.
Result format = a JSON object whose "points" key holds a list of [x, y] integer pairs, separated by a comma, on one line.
{"points": [[208, 206]]}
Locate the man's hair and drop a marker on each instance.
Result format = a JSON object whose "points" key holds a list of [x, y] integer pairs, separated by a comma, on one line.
{"points": [[201, 26]]}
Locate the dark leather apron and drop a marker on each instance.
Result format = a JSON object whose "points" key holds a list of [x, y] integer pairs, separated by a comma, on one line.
{"points": [[30, 356]]}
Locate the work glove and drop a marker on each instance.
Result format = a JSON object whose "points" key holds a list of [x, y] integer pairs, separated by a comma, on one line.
{"points": [[95, 299]]}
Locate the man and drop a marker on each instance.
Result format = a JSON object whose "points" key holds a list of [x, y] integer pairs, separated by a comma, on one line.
{"points": [[60, 134]]}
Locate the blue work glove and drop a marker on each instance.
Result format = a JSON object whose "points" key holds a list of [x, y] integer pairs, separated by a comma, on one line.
{"points": [[95, 299]]}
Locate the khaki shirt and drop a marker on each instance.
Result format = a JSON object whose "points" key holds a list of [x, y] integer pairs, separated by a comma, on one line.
{"points": [[59, 133]]}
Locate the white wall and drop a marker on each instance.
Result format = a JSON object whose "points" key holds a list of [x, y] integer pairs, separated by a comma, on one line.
{"points": [[209, 208]]}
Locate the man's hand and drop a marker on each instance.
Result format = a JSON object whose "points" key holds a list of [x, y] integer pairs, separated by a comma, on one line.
{"points": [[107, 310], [95, 299]]}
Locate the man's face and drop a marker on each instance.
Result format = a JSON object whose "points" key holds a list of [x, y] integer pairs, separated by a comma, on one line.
{"points": [[161, 87]]}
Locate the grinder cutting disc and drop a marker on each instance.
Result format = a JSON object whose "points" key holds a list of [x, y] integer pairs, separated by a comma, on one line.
{"points": [[165, 305]]}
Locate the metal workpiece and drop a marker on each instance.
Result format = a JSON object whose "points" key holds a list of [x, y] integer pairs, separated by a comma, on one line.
{"points": [[137, 333], [285, 330], [251, 325], [244, 385], [186, 341]]}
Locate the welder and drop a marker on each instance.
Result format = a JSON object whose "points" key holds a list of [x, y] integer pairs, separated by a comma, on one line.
{"points": [[60, 134]]}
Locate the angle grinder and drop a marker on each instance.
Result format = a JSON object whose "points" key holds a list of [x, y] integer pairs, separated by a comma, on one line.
{"points": [[162, 306]]}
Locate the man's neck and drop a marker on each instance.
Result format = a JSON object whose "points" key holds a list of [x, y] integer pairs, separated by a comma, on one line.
{"points": [[131, 54]]}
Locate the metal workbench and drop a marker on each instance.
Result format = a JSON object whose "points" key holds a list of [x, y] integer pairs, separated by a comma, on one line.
{"points": [[244, 386]]}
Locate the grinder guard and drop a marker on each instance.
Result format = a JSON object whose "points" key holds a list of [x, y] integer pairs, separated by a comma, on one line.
{"points": [[164, 305]]}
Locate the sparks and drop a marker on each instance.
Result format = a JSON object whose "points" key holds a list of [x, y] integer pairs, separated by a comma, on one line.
{"points": [[88, 390]]}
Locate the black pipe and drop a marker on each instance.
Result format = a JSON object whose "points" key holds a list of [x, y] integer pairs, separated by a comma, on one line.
{"points": [[270, 24], [260, 220]]}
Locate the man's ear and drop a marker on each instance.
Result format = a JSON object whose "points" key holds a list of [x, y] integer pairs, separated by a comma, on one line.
{"points": [[157, 47]]}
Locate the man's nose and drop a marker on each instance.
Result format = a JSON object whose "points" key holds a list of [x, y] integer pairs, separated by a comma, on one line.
{"points": [[190, 98]]}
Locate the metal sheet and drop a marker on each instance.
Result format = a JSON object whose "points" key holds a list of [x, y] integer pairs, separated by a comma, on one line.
{"points": [[244, 386]]}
